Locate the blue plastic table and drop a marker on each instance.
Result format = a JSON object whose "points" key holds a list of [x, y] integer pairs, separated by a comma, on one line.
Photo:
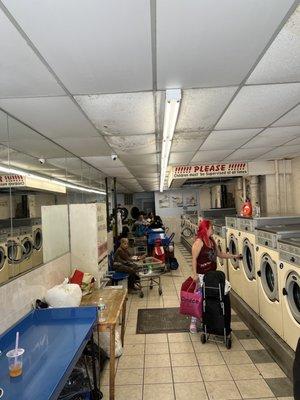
{"points": [[53, 340]]}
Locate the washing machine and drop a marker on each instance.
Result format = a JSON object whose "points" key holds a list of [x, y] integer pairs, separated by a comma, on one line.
{"points": [[27, 245], [4, 267], [233, 247], [37, 236], [219, 227], [267, 261], [289, 281], [14, 252]]}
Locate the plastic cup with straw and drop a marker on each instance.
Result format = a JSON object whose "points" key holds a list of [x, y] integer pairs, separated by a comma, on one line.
{"points": [[15, 359]]}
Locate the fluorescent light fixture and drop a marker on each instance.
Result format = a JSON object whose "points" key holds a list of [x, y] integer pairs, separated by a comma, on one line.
{"points": [[173, 98], [15, 171]]}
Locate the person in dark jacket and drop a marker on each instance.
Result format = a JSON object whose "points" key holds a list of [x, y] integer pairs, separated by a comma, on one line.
{"points": [[296, 373]]}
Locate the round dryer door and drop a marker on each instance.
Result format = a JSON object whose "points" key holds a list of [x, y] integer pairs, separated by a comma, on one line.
{"points": [[293, 294], [38, 239], [2, 257], [27, 247], [233, 249], [269, 277], [248, 259]]}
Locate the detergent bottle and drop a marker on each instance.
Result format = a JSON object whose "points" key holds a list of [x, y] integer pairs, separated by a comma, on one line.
{"points": [[247, 209]]}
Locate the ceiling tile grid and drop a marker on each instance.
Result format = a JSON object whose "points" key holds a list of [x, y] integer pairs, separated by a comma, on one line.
{"points": [[228, 139], [275, 136]]}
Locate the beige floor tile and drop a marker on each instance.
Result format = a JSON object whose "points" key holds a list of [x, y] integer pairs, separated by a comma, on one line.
{"points": [[157, 375], [157, 348], [251, 344], [134, 339], [245, 371], [128, 362], [159, 391], [233, 312], [195, 337], [270, 370], [236, 357], [171, 304], [134, 349], [181, 347], [211, 373], [205, 348], [179, 337], [130, 330], [131, 323], [285, 398], [210, 359], [239, 326], [157, 338], [186, 374], [129, 377], [191, 391], [183, 360], [153, 360], [235, 346], [223, 390], [129, 392], [254, 388]]}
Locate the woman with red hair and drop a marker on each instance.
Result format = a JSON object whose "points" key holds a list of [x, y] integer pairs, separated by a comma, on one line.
{"points": [[204, 256]]}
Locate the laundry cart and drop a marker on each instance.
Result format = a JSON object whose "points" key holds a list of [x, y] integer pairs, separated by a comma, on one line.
{"points": [[138, 245], [150, 270]]}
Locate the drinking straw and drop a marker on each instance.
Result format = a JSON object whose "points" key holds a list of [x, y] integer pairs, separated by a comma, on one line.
{"points": [[16, 347]]}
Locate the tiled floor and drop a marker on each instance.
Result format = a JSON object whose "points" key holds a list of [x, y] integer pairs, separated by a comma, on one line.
{"points": [[178, 366]]}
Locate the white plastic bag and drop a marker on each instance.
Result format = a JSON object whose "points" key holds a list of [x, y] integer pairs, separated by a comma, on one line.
{"points": [[64, 295], [104, 343]]}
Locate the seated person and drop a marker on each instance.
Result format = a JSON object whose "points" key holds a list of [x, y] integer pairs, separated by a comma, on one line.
{"points": [[139, 227], [157, 223], [150, 217], [123, 263]]}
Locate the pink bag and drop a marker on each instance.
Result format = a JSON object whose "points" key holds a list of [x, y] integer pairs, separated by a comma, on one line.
{"points": [[190, 300]]}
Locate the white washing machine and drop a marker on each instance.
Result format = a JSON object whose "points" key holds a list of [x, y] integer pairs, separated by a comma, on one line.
{"points": [[219, 228], [14, 252], [289, 281], [267, 260], [27, 248], [37, 236], [4, 267], [233, 247]]}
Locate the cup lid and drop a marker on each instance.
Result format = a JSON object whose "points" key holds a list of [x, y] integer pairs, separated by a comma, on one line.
{"points": [[15, 352]]}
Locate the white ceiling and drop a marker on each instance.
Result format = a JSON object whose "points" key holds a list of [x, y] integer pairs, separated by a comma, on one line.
{"points": [[91, 76]]}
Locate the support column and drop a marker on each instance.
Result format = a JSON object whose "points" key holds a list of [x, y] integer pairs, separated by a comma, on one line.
{"points": [[254, 187]]}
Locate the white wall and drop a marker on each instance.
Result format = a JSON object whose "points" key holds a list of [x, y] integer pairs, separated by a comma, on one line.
{"points": [[17, 296], [294, 185]]}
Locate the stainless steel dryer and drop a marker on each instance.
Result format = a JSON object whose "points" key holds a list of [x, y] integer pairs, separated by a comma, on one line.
{"points": [[27, 248], [219, 227], [4, 267], [233, 247], [37, 236], [14, 252]]}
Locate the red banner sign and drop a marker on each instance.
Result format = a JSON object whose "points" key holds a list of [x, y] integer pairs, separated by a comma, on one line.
{"points": [[210, 170]]}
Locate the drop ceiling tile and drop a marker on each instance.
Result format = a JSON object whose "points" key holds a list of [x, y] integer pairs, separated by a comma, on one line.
{"points": [[95, 46], [247, 154], [210, 156], [40, 148], [86, 147], [228, 140], [293, 142], [122, 113], [282, 152], [103, 161], [181, 158], [273, 67], [21, 72], [187, 141], [140, 144], [142, 170], [291, 118], [259, 106], [118, 172], [201, 108], [54, 117], [202, 43], [274, 136], [140, 159]]}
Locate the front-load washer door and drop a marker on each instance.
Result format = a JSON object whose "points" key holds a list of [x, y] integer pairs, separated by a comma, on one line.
{"points": [[292, 287], [269, 277], [14, 253], [221, 250], [2, 257], [248, 259], [38, 239], [233, 249], [27, 247]]}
